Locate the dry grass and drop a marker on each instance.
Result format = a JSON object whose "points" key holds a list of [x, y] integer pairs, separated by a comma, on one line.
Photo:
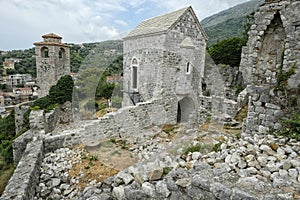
{"points": [[242, 114], [5, 175], [90, 168]]}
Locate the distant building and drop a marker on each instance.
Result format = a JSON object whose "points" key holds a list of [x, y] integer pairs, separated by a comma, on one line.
{"points": [[3, 53], [8, 65], [23, 91], [18, 79], [14, 60]]}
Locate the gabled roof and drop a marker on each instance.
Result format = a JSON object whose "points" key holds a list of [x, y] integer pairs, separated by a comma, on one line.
{"points": [[162, 23]]}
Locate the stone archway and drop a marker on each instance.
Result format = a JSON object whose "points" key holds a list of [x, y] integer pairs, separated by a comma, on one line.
{"points": [[186, 107]]}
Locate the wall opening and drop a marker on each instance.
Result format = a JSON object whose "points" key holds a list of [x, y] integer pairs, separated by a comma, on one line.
{"points": [[45, 52], [271, 52], [186, 107], [188, 68], [134, 75], [61, 53]]}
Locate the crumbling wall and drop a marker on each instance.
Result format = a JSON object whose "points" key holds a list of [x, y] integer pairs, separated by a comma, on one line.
{"points": [[270, 65], [20, 110]]}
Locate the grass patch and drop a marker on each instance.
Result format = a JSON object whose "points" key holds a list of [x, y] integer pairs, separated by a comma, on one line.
{"points": [[166, 170], [242, 114], [217, 147], [192, 149], [169, 129], [92, 168], [291, 127]]}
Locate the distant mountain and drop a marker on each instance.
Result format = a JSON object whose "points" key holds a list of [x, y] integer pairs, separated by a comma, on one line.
{"points": [[229, 23]]}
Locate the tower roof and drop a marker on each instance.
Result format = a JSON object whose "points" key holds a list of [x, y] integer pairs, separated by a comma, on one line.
{"points": [[54, 40], [51, 35], [162, 23]]}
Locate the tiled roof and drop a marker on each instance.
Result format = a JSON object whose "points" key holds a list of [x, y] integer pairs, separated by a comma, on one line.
{"points": [[161, 23], [51, 35], [51, 43]]}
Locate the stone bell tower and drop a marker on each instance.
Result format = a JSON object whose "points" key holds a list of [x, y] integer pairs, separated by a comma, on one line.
{"points": [[52, 62]]}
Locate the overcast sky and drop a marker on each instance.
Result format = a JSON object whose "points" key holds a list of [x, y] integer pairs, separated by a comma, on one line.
{"points": [[77, 21]]}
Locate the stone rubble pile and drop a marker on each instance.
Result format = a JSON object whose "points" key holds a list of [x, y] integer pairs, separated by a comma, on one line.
{"points": [[256, 167], [55, 181]]}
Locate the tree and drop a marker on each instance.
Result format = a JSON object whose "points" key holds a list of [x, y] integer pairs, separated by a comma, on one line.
{"points": [[228, 51], [62, 91]]}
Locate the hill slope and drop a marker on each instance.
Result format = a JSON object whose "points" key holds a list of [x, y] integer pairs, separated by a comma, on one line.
{"points": [[229, 23]]}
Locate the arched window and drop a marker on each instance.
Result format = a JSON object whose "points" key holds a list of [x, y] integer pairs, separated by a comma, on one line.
{"points": [[45, 52], [61, 53], [134, 77]]}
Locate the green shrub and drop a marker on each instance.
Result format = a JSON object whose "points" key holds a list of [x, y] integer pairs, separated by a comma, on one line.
{"points": [[228, 51]]}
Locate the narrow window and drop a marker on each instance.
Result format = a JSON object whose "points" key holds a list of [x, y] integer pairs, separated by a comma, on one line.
{"points": [[60, 54], [46, 54], [188, 68], [134, 77]]}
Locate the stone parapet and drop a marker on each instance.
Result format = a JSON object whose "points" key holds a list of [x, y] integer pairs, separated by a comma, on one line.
{"points": [[26, 175]]}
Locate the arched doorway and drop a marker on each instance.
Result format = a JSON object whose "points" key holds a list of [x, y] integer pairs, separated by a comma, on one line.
{"points": [[186, 107]]}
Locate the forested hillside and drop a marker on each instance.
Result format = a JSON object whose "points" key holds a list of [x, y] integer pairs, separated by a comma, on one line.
{"points": [[229, 23], [98, 54]]}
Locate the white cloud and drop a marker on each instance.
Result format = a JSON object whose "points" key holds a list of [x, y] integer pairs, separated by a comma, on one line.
{"points": [[121, 22], [24, 21]]}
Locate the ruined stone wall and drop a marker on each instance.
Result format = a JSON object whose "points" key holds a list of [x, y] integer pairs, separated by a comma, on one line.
{"points": [[262, 116], [23, 183], [272, 52], [274, 36], [20, 110]]}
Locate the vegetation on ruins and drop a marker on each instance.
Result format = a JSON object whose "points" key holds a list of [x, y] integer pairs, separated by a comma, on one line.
{"points": [[228, 51], [291, 127], [58, 94]]}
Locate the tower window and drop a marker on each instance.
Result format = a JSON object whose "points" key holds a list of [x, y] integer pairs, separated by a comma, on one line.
{"points": [[61, 53], [45, 52]]}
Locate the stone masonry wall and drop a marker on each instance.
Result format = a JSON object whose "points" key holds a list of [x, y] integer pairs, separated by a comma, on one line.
{"points": [[272, 50], [262, 116], [20, 110], [26, 175], [276, 29]]}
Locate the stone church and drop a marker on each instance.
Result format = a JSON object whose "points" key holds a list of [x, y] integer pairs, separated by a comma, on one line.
{"points": [[52, 62], [164, 60]]}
